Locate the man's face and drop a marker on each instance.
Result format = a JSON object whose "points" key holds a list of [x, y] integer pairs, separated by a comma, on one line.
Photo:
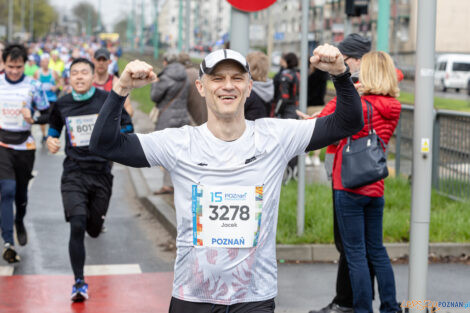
{"points": [[101, 65], [44, 63], [14, 69], [353, 63], [225, 90], [81, 77]]}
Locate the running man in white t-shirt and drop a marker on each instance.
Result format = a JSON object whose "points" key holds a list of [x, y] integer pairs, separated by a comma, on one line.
{"points": [[227, 177]]}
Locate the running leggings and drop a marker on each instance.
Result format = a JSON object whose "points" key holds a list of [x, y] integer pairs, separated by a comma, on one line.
{"points": [[7, 195], [77, 244], [21, 200]]}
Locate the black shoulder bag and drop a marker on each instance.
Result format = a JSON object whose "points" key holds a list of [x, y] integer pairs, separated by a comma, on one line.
{"points": [[364, 160]]}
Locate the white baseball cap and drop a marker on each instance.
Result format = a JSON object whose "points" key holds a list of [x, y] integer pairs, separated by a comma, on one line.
{"points": [[214, 58]]}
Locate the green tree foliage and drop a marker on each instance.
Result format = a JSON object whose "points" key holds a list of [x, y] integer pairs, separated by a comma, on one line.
{"points": [[44, 16], [121, 28], [86, 13]]}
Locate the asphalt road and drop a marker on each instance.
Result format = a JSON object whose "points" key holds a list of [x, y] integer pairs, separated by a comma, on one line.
{"points": [[136, 241], [130, 237]]}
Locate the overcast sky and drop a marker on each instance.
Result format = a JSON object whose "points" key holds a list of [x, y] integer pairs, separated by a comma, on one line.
{"points": [[111, 10]]}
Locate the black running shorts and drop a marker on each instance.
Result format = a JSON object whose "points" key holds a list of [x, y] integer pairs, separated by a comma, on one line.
{"points": [[87, 194], [16, 164], [180, 306]]}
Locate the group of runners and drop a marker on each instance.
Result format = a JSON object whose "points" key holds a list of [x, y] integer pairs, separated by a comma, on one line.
{"points": [[87, 181], [227, 173]]}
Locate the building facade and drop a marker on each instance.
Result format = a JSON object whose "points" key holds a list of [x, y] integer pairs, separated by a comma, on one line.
{"points": [[328, 23], [209, 22]]}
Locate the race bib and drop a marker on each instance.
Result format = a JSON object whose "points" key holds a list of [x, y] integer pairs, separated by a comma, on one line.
{"points": [[10, 115], [80, 128], [227, 217]]}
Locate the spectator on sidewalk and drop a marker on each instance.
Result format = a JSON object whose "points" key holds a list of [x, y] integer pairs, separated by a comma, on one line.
{"points": [[288, 98], [359, 211], [170, 94], [196, 104], [353, 47], [258, 104]]}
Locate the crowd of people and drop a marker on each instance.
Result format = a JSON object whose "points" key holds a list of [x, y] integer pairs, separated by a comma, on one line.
{"points": [[223, 129]]}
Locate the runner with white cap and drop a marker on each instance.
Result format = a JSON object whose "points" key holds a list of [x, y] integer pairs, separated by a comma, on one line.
{"points": [[227, 177]]}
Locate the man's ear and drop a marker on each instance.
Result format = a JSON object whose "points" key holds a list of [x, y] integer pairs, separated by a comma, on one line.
{"points": [[250, 87], [200, 87]]}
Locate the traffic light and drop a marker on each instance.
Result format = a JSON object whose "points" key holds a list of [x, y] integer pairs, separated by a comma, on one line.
{"points": [[356, 7]]}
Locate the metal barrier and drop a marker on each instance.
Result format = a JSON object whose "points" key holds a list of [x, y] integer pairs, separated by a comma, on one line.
{"points": [[450, 151]]}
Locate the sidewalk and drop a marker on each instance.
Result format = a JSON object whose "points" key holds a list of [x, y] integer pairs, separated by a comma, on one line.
{"points": [[147, 180]]}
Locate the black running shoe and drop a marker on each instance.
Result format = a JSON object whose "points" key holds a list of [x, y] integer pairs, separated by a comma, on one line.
{"points": [[9, 254], [21, 233], [334, 308]]}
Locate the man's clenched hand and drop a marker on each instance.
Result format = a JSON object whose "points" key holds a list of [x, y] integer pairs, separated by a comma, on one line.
{"points": [[136, 74], [53, 144], [328, 59]]}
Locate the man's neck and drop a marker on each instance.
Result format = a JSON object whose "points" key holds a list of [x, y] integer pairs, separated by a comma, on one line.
{"points": [[227, 129], [101, 78]]}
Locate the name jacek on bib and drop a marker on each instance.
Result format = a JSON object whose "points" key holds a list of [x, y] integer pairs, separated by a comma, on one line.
{"points": [[226, 216]]}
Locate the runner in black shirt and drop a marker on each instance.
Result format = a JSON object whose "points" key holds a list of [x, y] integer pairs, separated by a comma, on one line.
{"points": [[86, 183]]}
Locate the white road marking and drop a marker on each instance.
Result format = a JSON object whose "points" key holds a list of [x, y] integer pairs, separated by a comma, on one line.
{"points": [[112, 269], [6, 270]]}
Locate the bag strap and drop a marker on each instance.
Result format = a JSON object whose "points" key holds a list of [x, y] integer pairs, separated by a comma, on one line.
{"points": [[172, 100], [370, 112]]}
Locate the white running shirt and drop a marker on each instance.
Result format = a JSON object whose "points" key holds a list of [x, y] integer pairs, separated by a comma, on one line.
{"points": [[13, 97], [195, 157]]}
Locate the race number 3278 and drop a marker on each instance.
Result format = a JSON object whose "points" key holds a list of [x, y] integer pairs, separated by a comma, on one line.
{"points": [[229, 212], [228, 216]]}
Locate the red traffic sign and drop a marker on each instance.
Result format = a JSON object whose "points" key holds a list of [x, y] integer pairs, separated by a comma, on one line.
{"points": [[251, 5]]}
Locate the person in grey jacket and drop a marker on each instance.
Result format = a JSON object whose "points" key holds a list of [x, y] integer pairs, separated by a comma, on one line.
{"points": [[170, 93], [258, 104]]}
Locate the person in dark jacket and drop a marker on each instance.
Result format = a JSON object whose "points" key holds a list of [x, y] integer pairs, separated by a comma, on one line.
{"points": [[170, 93], [288, 101], [258, 104], [359, 211], [316, 86], [277, 83]]}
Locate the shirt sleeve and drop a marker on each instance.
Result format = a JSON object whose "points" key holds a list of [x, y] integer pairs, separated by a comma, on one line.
{"points": [[39, 98], [161, 148], [292, 135], [56, 122]]}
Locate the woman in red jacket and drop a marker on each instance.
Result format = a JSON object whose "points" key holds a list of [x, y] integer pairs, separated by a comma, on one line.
{"points": [[360, 211]]}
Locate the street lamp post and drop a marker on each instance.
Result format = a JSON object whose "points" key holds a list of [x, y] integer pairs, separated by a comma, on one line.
{"points": [[422, 146], [156, 37], [31, 18], [10, 20], [180, 26], [142, 26]]}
